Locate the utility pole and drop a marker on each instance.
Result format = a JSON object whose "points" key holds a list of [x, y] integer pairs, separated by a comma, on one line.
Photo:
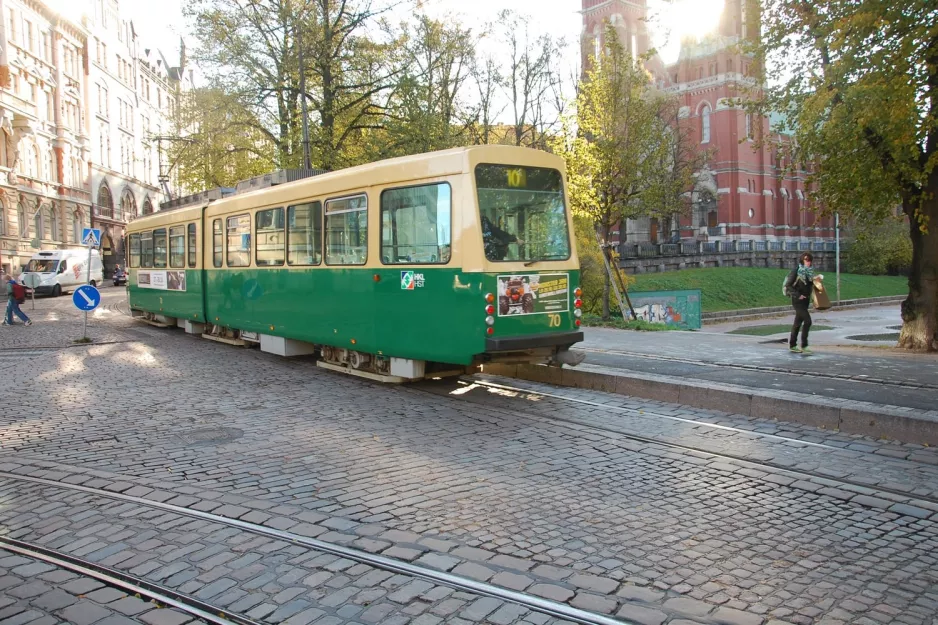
{"points": [[837, 250], [307, 163]]}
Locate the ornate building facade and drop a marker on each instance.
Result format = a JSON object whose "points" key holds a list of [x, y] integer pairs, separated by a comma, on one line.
{"points": [[45, 198], [133, 97], [744, 191]]}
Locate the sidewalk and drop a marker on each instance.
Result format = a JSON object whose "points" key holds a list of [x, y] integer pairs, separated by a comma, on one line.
{"points": [[858, 386]]}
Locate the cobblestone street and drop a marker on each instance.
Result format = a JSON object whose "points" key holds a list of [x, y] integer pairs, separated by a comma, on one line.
{"points": [[135, 452]]}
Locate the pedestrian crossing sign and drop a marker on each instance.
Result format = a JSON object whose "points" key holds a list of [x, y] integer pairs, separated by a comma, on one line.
{"points": [[91, 236]]}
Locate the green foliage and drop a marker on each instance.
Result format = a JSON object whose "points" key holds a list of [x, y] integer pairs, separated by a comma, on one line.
{"points": [[880, 249], [736, 288], [592, 268], [223, 143]]}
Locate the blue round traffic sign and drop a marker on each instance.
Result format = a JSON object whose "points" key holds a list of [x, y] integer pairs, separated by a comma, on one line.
{"points": [[86, 297]]}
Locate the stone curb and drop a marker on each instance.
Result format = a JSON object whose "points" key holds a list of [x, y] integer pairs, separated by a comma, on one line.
{"points": [[750, 314], [906, 425]]}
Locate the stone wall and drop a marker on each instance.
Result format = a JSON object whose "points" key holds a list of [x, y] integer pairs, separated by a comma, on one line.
{"points": [[823, 261]]}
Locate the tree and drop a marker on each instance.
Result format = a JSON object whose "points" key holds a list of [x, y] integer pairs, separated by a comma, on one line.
{"points": [[427, 111], [217, 142], [858, 80], [624, 160], [528, 79]]}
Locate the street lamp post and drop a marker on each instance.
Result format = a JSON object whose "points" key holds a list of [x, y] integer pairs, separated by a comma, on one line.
{"points": [[837, 250]]}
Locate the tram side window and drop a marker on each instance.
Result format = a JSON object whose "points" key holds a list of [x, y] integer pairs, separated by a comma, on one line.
{"points": [[192, 243], [269, 243], [217, 242], [239, 241], [415, 225], [347, 231], [304, 239], [146, 249], [159, 248], [134, 251], [177, 247]]}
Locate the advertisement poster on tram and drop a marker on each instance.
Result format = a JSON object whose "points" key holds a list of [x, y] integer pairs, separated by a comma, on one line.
{"points": [[162, 280], [533, 294]]}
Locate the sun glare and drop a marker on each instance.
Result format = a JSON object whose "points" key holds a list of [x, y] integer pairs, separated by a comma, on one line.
{"points": [[683, 19]]}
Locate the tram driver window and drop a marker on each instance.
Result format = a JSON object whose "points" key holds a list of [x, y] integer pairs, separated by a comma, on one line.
{"points": [[347, 231], [146, 249], [269, 240], [134, 251], [177, 247], [415, 225], [239, 241], [304, 234]]}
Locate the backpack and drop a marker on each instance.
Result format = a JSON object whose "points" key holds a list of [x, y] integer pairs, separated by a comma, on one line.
{"points": [[19, 293], [786, 290]]}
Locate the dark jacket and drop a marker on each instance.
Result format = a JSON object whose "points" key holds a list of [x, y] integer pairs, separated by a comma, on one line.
{"points": [[798, 287]]}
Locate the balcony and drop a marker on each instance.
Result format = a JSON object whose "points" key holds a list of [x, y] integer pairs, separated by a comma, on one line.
{"points": [[18, 104]]}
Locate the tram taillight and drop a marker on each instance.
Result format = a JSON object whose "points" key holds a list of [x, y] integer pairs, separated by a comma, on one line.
{"points": [[490, 298], [490, 310], [578, 303], [578, 292]]}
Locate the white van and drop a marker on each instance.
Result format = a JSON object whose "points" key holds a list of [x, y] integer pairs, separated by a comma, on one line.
{"points": [[63, 270]]}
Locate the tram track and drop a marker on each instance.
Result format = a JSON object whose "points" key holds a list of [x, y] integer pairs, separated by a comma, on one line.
{"points": [[535, 603], [854, 486], [763, 369], [163, 596]]}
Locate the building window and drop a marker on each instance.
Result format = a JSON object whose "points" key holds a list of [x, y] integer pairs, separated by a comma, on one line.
{"points": [[239, 241], [76, 227], [729, 66], [705, 124], [39, 224], [415, 225], [128, 206], [50, 167], [54, 224], [749, 127], [347, 231], [3, 220], [304, 234], [22, 224], [269, 250], [105, 202]]}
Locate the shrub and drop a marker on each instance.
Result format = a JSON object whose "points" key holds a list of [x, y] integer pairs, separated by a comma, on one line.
{"points": [[592, 268], [879, 249]]}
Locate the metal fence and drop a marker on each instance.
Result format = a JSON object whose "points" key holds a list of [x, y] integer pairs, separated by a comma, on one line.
{"points": [[694, 248]]}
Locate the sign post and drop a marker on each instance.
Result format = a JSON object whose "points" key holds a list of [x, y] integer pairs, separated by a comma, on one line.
{"points": [[88, 295], [32, 280]]}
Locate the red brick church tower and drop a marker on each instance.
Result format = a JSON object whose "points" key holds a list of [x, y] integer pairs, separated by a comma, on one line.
{"points": [[741, 193]]}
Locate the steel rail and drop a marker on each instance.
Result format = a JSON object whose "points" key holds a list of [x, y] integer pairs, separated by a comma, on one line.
{"points": [[537, 604], [132, 584]]}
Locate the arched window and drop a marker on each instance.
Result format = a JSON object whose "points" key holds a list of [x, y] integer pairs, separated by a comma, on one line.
{"points": [[705, 124], [76, 226], [147, 206], [49, 172], [729, 66], [56, 233], [105, 201], [23, 225], [39, 222], [32, 162], [3, 216], [749, 127], [128, 205]]}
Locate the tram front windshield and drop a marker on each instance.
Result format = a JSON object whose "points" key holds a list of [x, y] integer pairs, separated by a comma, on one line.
{"points": [[524, 216]]}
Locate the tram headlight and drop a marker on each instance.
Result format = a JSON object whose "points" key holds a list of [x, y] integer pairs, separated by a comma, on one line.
{"points": [[577, 313], [490, 321]]}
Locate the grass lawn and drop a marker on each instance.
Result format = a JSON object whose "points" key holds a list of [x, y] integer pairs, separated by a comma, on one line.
{"points": [[734, 288], [769, 330]]}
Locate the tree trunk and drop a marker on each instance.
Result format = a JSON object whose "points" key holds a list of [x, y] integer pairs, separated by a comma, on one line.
{"points": [[607, 284], [920, 309]]}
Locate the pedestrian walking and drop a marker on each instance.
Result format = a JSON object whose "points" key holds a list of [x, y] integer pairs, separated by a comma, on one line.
{"points": [[16, 295], [799, 285]]}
